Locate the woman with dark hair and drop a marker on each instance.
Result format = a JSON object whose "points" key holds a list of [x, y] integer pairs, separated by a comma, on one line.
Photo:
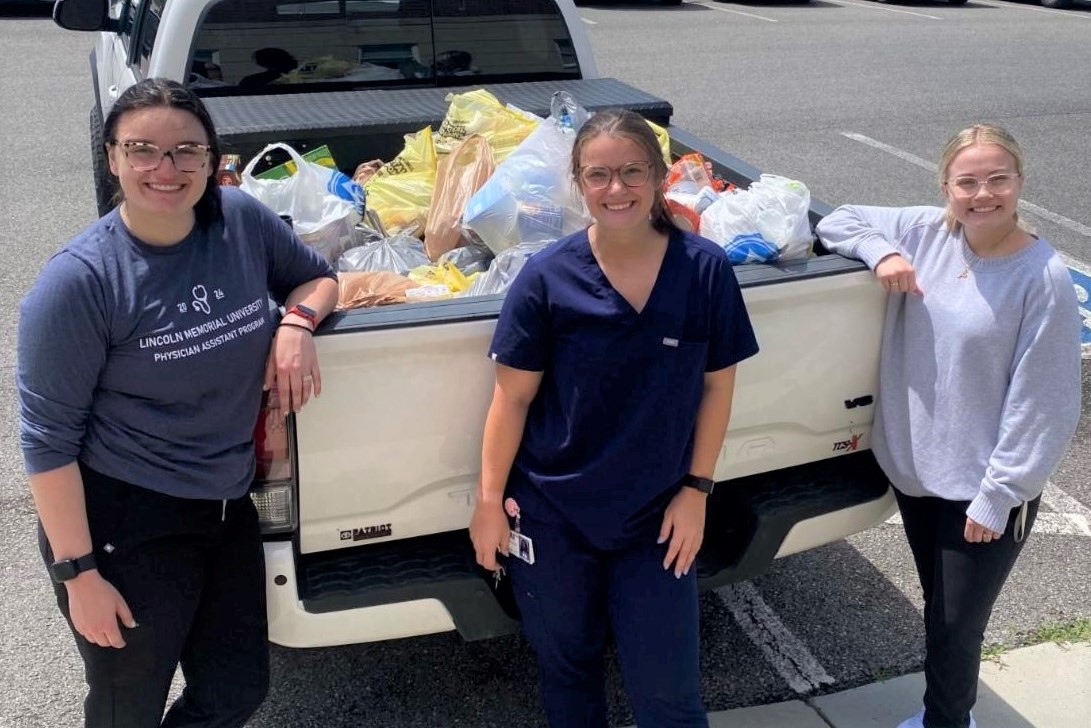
{"points": [[144, 348], [615, 368]]}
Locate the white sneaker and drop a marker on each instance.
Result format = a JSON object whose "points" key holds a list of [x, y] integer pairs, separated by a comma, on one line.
{"points": [[917, 721]]}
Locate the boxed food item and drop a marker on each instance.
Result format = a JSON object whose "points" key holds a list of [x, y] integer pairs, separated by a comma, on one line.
{"points": [[319, 155]]}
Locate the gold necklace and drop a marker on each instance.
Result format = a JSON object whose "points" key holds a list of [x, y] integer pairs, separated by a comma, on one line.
{"points": [[968, 265]]}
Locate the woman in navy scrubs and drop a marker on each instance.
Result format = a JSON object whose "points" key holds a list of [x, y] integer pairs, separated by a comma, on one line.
{"points": [[615, 353]]}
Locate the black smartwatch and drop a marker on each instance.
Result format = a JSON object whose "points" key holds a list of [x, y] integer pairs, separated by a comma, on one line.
{"points": [[68, 569], [705, 485]]}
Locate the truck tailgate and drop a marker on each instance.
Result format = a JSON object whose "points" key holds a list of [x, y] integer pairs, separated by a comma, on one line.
{"points": [[392, 448]]}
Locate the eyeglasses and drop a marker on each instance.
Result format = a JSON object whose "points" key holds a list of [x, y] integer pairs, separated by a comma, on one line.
{"points": [[631, 174], [144, 156], [997, 184]]}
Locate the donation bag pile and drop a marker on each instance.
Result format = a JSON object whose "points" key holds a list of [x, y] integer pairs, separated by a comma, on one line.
{"points": [[459, 211]]}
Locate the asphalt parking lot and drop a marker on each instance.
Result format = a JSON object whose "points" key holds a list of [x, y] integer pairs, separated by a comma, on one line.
{"points": [[853, 97]]}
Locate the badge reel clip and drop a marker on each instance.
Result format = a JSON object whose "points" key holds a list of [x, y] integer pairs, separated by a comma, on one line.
{"points": [[519, 546]]}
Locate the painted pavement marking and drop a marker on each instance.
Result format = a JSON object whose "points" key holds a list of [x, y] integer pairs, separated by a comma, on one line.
{"points": [[890, 10], [1065, 516], [784, 651], [736, 12]]}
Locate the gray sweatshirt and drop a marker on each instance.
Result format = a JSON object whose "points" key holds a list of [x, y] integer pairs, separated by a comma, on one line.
{"points": [[145, 362], [979, 383]]}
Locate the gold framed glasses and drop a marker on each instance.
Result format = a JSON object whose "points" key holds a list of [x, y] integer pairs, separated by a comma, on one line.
{"points": [[631, 174], [145, 156], [997, 184]]}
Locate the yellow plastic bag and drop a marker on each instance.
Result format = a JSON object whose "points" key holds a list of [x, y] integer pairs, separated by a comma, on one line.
{"points": [[442, 274], [664, 141], [401, 191], [479, 112]]}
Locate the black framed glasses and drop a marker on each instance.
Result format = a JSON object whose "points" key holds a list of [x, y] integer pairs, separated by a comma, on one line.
{"points": [[631, 174], [145, 156], [998, 184]]}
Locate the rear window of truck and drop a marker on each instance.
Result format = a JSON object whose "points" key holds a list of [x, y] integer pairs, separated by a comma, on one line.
{"points": [[265, 46]]}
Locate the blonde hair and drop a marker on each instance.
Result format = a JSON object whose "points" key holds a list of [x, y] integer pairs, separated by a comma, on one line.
{"points": [[978, 134]]}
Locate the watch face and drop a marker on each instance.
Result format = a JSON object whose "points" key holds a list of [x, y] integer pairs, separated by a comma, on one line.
{"points": [[306, 309], [64, 570]]}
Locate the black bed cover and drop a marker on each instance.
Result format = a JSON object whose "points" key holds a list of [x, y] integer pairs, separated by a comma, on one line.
{"points": [[253, 119]]}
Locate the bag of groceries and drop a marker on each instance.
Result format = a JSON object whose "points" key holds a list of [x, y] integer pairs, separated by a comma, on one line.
{"points": [[461, 173], [323, 203], [398, 254], [500, 275], [361, 289], [479, 112], [531, 198], [401, 191], [769, 221]]}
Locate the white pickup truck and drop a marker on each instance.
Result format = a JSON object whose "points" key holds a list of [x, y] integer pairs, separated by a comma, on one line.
{"points": [[365, 496]]}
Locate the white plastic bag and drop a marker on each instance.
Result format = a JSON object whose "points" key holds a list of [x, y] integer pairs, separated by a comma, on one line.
{"points": [[769, 221], [323, 203], [531, 197], [782, 219]]}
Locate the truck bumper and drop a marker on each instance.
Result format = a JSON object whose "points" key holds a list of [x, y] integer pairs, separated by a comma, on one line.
{"points": [[291, 625], [430, 584], [391, 590]]}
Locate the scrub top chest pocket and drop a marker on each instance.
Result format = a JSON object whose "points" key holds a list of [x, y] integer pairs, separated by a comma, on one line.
{"points": [[630, 378], [644, 369]]}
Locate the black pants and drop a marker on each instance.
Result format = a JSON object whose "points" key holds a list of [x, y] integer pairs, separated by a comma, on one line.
{"points": [[961, 582], [192, 572]]}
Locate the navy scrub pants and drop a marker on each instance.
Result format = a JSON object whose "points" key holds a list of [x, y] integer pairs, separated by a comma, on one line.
{"points": [[193, 574], [574, 594], [961, 582]]}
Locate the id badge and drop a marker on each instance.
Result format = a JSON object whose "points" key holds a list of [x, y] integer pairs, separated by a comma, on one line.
{"points": [[521, 547]]}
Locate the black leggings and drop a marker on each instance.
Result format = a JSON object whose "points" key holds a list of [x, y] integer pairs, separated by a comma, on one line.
{"points": [[961, 582], [193, 574]]}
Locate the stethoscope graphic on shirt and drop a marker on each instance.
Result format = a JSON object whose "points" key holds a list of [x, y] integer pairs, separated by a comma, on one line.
{"points": [[200, 299]]}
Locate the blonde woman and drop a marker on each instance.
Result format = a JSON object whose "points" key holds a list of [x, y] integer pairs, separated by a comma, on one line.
{"points": [[979, 390]]}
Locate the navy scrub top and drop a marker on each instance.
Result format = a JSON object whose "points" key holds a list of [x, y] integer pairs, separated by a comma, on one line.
{"points": [[610, 432]]}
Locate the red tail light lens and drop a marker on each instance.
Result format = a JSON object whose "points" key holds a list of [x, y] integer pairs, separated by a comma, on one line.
{"points": [[273, 491], [274, 459]]}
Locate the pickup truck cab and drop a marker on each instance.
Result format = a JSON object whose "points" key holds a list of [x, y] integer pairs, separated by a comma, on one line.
{"points": [[365, 495]]}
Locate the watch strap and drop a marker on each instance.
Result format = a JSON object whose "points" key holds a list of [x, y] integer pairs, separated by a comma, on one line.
{"points": [[67, 569], [704, 485], [304, 312]]}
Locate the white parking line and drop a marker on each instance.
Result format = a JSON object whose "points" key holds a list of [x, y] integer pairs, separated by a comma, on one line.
{"points": [[787, 654], [1076, 227], [911, 158], [736, 12], [881, 7], [1046, 523], [1057, 500]]}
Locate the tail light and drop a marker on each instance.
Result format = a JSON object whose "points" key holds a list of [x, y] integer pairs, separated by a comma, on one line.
{"points": [[273, 491]]}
